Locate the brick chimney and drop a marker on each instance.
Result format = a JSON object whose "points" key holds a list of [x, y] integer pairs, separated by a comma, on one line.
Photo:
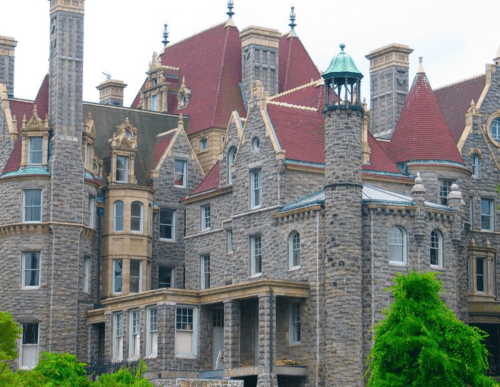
{"points": [[111, 92]]}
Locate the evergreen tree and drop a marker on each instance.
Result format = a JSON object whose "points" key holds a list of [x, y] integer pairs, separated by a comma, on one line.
{"points": [[422, 343]]}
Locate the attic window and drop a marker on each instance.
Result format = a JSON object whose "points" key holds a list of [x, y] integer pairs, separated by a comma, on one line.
{"points": [[128, 134], [256, 144], [203, 144], [155, 81]]}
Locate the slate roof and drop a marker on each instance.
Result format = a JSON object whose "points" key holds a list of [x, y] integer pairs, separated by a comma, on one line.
{"points": [[422, 133], [380, 161], [162, 142], [310, 94], [210, 182], [455, 99], [210, 62]]}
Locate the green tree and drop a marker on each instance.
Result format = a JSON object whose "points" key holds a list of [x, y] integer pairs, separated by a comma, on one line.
{"points": [[9, 332], [420, 342]]}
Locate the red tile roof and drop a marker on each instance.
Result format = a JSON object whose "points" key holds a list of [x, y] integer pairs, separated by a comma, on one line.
{"points": [[310, 96], [301, 133], [210, 182], [211, 64], [161, 145], [422, 132], [455, 101], [296, 67], [379, 159], [42, 99]]}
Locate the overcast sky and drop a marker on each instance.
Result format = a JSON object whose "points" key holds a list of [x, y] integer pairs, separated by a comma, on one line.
{"points": [[455, 37]]}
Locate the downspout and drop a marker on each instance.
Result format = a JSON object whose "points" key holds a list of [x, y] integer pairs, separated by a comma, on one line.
{"points": [[78, 291], [100, 212], [271, 330]]}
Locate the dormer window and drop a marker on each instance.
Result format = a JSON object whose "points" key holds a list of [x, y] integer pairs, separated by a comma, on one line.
{"points": [[122, 169], [35, 150], [180, 173], [128, 134], [154, 82]]}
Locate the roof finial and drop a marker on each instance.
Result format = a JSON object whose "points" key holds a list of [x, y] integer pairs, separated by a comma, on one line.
{"points": [[230, 6], [292, 19], [420, 65], [342, 46], [165, 36]]}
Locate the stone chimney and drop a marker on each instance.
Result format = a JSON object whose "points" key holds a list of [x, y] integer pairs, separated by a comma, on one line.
{"points": [[389, 82], [111, 92], [260, 59], [7, 56]]}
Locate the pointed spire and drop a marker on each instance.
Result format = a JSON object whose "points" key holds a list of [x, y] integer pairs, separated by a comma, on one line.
{"points": [[420, 66], [292, 20], [230, 6], [165, 36]]}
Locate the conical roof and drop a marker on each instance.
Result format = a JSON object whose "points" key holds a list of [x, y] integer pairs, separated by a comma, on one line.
{"points": [[342, 65], [422, 132]]}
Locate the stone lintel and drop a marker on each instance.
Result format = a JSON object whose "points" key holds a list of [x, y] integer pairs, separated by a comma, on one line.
{"points": [[260, 36]]}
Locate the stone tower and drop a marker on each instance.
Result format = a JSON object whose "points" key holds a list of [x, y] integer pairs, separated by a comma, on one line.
{"points": [[71, 240], [7, 56], [388, 87], [259, 47], [343, 194]]}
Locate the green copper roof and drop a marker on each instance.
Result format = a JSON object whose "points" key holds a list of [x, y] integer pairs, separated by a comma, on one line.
{"points": [[342, 64]]}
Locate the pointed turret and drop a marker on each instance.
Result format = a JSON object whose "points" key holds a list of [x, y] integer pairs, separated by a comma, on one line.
{"points": [[497, 57], [422, 132]]}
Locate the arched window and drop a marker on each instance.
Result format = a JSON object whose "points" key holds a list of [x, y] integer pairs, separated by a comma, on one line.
{"points": [[436, 251], [475, 165], [294, 249], [231, 156], [136, 215], [397, 245], [118, 216]]}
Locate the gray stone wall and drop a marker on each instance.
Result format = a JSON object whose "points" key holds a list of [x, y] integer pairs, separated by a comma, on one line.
{"points": [[7, 72], [260, 63], [298, 184], [6, 145]]}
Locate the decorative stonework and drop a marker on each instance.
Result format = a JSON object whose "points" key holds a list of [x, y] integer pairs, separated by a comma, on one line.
{"points": [[183, 95], [123, 143]]}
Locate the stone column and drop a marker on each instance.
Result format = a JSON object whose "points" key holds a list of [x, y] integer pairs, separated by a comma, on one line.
{"points": [[166, 330], [108, 335], [232, 322], [267, 340]]}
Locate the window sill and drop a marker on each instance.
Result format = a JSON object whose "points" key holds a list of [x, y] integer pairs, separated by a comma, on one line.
{"points": [[202, 151], [295, 268], [256, 275], [256, 207], [206, 229], [398, 264], [165, 240], [32, 222], [295, 344], [30, 287], [179, 186], [436, 267], [151, 356], [194, 357]]}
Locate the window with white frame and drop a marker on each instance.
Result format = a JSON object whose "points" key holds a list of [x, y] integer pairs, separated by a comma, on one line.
{"points": [[294, 249], [135, 276], [295, 322], [35, 150], [91, 217], [31, 269], [229, 241], [231, 157], [86, 274], [180, 173], [186, 327], [487, 214], [152, 333], [117, 275], [436, 249], [475, 165], [255, 189], [203, 144], [118, 220], [495, 129], [205, 271], [167, 224], [28, 358], [444, 190], [397, 245], [136, 216], [122, 169], [255, 255], [32, 205], [135, 335], [206, 222], [118, 337], [154, 102], [165, 277], [481, 273]]}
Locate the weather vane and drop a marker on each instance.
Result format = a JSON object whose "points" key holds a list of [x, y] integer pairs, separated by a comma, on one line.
{"points": [[165, 36], [107, 75], [292, 20], [230, 6]]}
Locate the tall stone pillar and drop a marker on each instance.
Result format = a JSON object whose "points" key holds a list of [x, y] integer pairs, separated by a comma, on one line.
{"points": [[232, 325], [343, 326], [7, 58], [267, 340]]}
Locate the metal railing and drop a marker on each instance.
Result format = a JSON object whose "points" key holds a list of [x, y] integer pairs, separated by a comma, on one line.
{"points": [[101, 366]]}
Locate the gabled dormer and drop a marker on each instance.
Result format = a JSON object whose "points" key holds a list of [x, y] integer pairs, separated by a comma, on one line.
{"points": [[35, 141], [155, 93], [123, 149], [91, 162]]}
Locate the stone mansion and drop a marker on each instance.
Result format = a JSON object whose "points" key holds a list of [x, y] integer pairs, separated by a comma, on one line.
{"points": [[242, 212]]}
